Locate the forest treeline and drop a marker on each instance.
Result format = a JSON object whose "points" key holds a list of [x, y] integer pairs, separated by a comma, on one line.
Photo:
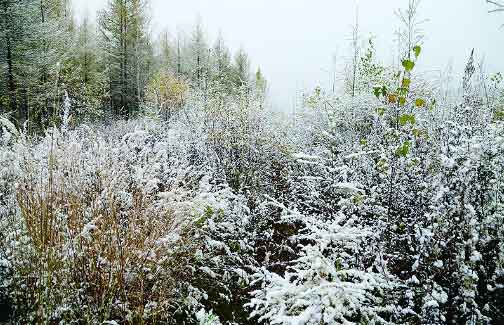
{"points": [[143, 180], [112, 66]]}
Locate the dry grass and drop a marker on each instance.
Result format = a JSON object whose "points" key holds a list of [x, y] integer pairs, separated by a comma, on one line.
{"points": [[88, 256]]}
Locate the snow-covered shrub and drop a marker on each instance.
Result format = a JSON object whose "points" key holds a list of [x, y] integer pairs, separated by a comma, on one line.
{"points": [[118, 224], [207, 318], [423, 180], [326, 283], [336, 275], [460, 241], [382, 204]]}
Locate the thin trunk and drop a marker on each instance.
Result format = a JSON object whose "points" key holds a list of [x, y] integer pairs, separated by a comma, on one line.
{"points": [[86, 67], [24, 106], [86, 78], [353, 79], [138, 54], [138, 88], [178, 58], [137, 58], [43, 78], [42, 11], [198, 70], [10, 72], [356, 50], [125, 61]]}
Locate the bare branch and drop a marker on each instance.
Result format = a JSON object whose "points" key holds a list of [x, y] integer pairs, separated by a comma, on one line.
{"points": [[499, 5], [495, 3]]}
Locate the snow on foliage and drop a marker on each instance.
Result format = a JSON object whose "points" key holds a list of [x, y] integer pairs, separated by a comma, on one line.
{"points": [[177, 197], [123, 204]]}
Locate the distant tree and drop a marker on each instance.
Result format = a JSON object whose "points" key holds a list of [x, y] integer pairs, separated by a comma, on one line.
{"points": [[86, 70], [198, 54], [261, 87], [36, 40], [355, 50], [221, 61], [241, 69], [166, 52], [13, 29], [352, 69], [167, 92], [51, 51], [126, 44], [371, 72]]}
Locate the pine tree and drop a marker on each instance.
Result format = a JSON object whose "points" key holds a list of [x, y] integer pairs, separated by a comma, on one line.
{"points": [[37, 36], [241, 69], [17, 24], [221, 61], [85, 71], [126, 44]]}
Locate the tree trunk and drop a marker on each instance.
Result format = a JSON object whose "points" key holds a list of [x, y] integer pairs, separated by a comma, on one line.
{"points": [[10, 70], [125, 62]]}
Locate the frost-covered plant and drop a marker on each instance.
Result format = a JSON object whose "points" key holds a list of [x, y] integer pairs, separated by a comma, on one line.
{"points": [[114, 225], [459, 259], [325, 284], [383, 206], [336, 277], [207, 318], [429, 192]]}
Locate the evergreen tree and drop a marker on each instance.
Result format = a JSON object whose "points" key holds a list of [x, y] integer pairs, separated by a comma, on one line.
{"points": [[199, 55], [128, 53], [86, 71], [13, 34], [241, 69]]}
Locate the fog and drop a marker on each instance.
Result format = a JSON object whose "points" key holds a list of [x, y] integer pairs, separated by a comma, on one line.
{"points": [[293, 41]]}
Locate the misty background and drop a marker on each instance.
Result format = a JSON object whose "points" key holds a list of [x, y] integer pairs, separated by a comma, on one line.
{"points": [[294, 41], [147, 176]]}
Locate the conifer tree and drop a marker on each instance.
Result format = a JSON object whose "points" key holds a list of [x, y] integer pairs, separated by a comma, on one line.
{"points": [[123, 27]]}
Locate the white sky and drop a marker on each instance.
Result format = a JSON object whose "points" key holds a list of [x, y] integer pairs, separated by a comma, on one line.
{"points": [[293, 40]]}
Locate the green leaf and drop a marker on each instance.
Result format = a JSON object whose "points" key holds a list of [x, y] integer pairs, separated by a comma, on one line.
{"points": [[417, 49], [408, 65], [402, 227], [405, 118], [358, 198], [234, 246], [402, 101], [338, 265], [499, 116], [419, 102], [404, 149], [384, 91], [377, 91], [209, 212], [433, 104], [201, 221], [402, 91]]}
